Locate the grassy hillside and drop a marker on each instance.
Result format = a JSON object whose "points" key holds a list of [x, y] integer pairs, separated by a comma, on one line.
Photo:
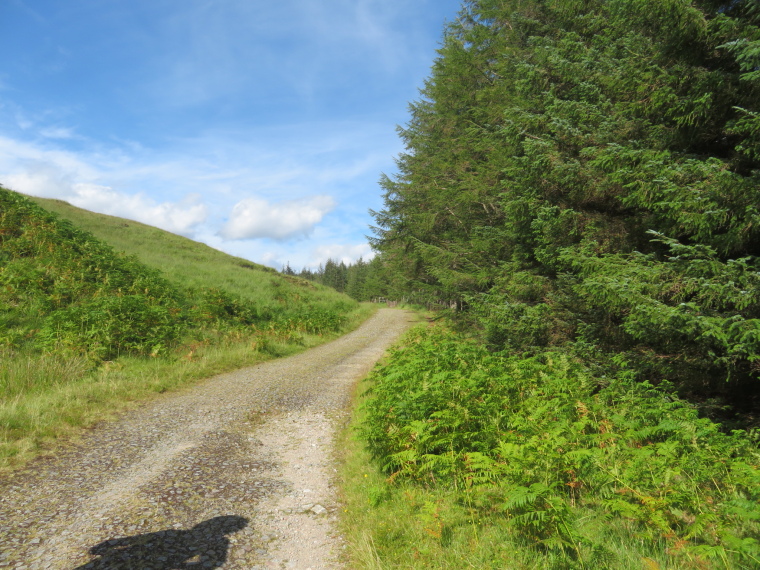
{"points": [[188, 262], [92, 322]]}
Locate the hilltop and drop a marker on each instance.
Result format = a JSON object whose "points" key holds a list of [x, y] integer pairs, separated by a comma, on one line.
{"points": [[193, 264]]}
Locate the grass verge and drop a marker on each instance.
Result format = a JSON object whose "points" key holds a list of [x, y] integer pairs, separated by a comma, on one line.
{"points": [[48, 400]]}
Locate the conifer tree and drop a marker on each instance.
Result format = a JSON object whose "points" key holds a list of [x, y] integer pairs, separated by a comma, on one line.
{"points": [[590, 170]]}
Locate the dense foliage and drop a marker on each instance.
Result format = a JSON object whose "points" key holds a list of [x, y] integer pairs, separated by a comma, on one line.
{"points": [[59, 286], [569, 462], [587, 171], [581, 181]]}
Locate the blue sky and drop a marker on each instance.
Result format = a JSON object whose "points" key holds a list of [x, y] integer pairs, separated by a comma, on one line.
{"points": [[258, 127]]}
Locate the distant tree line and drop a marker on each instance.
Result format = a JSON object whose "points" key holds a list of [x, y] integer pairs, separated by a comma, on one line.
{"points": [[363, 280]]}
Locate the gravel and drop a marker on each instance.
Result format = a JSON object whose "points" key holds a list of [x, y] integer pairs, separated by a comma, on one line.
{"points": [[235, 472]]}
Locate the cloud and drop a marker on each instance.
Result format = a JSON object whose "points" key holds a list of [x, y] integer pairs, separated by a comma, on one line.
{"points": [[257, 218], [277, 55], [339, 252], [57, 133], [76, 179], [40, 178], [300, 173]]}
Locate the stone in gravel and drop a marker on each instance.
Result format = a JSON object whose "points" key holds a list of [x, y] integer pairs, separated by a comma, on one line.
{"points": [[318, 510]]}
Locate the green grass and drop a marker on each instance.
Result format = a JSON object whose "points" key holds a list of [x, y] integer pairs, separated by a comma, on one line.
{"points": [[193, 264]]}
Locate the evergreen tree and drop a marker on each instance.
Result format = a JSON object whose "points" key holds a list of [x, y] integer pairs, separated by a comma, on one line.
{"points": [[355, 280], [590, 170], [287, 270], [335, 275]]}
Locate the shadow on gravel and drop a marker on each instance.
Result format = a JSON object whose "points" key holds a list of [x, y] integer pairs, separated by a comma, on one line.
{"points": [[203, 546]]}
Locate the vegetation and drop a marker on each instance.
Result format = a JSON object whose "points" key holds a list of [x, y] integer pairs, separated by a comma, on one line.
{"points": [[589, 171], [363, 280], [569, 469], [581, 181], [85, 330], [194, 265]]}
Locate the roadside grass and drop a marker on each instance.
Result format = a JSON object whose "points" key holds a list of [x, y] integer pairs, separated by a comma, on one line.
{"points": [[48, 399], [424, 510]]}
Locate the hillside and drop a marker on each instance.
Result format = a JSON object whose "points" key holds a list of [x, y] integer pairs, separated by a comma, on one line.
{"points": [[189, 263], [88, 325]]}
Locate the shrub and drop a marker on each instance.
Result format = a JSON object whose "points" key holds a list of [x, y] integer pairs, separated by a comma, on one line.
{"points": [[108, 326]]}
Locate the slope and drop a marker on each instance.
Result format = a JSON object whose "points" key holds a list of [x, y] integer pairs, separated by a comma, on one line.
{"points": [[189, 263], [86, 330]]}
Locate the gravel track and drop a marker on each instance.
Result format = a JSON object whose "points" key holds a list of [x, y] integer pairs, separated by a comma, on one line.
{"points": [[232, 473]]}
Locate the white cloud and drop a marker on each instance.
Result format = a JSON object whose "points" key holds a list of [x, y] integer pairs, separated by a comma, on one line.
{"points": [[301, 172], [23, 122], [257, 218], [40, 179], [66, 176], [57, 133], [338, 252]]}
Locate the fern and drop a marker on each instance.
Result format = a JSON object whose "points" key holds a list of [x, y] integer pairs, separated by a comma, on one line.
{"points": [[538, 438]]}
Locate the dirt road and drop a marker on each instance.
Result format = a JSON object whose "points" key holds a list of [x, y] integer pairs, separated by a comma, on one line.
{"points": [[233, 473]]}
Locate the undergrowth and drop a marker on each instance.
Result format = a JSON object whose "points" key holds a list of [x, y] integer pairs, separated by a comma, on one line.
{"points": [[490, 461]]}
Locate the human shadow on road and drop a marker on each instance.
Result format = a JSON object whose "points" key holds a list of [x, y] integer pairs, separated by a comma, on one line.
{"points": [[203, 546]]}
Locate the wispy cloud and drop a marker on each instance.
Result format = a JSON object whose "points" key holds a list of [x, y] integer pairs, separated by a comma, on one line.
{"points": [[177, 217], [59, 175], [341, 252], [57, 133], [281, 55], [241, 192]]}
